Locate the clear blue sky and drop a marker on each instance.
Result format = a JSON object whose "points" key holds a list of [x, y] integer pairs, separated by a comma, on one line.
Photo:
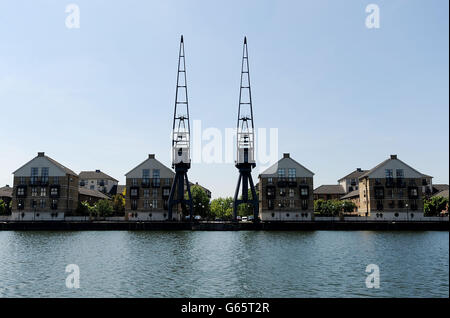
{"points": [[342, 96]]}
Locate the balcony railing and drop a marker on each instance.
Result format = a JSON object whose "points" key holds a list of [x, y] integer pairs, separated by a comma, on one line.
{"points": [[304, 191], [134, 192], [156, 183], [145, 183], [282, 182], [292, 183]]}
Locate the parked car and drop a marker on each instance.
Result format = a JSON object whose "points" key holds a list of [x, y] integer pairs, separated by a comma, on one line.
{"points": [[218, 219], [239, 218], [250, 218], [244, 219], [197, 217]]}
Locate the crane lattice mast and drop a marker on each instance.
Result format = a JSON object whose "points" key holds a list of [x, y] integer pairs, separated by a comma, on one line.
{"points": [[181, 160], [245, 150]]}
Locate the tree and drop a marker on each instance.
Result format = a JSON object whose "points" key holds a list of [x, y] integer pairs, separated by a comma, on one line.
{"points": [[222, 208], [118, 204], [200, 201], [333, 207], [349, 206], [2, 207], [104, 208], [435, 205], [245, 209]]}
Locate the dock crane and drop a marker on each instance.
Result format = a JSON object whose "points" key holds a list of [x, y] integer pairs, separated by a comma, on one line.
{"points": [[181, 160], [245, 160]]}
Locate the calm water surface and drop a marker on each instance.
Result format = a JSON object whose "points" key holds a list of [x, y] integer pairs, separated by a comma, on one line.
{"points": [[224, 264]]}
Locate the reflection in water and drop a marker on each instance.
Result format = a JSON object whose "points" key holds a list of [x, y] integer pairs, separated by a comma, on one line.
{"points": [[224, 264]]}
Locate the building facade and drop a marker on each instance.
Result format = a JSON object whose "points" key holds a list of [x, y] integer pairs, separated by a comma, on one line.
{"points": [[98, 180], [392, 190], [44, 190], [329, 192], [91, 196], [286, 192], [6, 197], [147, 191]]}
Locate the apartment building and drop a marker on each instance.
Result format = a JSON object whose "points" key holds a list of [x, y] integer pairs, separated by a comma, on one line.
{"points": [[329, 192], [98, 180], [393, 190], [44, 189], [147, 191], [6, 196], [286, 191]]}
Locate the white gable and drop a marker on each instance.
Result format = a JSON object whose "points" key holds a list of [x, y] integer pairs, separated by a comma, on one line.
{"points": [[394, 164], [286, 163], [39, 162], [151, 164]]}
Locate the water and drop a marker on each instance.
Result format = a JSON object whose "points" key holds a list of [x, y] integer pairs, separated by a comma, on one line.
{"points": [[224, 264]]}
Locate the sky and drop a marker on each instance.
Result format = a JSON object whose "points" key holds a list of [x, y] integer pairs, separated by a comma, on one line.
{"points": [[341, 95]]}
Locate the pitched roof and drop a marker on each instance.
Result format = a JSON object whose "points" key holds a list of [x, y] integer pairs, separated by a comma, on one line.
{"points": [[443, 193], [352, 194], [97, 174], [330, 189], [440, 187], [354, 174], [56, 163], [393, 157], [6, 192], [120, 188], [92, 193], [286, 158], [151, 157]]}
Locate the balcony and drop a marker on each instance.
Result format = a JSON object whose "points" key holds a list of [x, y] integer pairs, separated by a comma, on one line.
{"points": [[134, 192], [292, 183], [166, 192], [282, 182], [156, 183], [390, 183], [145, 183], [270, 192], [379, 193], [304, 191], [54, 191], [35, 181], [401, 183], [413, 192], [21, 191]]}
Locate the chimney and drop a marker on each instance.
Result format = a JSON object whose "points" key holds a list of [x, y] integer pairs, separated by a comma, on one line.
{"points": [[98, 170], [41, 154], [286, 155], [151, 156], [359, 169], [393, 156]]}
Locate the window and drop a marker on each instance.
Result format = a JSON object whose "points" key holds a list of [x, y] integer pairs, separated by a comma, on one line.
{"points": [[399, 173], [134, 192], [134, 182], [20, 204], [34, 172], [390, 194], [42, 203], [291, 203], [146, 204], [291, 173], [167, 181], [155, 204], [54, 191], [155, 173], [389, 173], [270, 204], [54, 204], [281, 173], [55, 180], [92, 187], [304, 192], [44, 174], [20, 191], [400, 193], [270, 180], [291, 193], [304, 204], [43, 192], [146, 193], [34, 192], [166, 192], [414, 192], [134, 204], [145, 173], [155, 193], [282, 192]]}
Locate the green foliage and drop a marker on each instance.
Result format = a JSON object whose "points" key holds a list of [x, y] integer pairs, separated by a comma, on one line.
{"points": [[222, 208], [104, 208], [246, 209], [83, 208], [435, 205], [333, 207], [118, 204], [2, 207], [200, 201]]}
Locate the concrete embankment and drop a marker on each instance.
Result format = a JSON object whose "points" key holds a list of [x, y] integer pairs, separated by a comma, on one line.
{"points": [[223, 226]]}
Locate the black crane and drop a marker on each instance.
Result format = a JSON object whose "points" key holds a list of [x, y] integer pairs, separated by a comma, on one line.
{"points": [[181, 160], [245, 160]]}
